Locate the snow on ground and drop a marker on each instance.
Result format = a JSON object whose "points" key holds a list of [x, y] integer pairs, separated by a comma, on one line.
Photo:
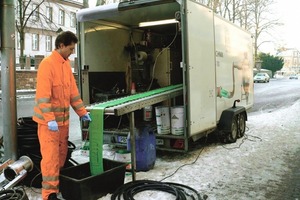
{"points": [[251, 168]]}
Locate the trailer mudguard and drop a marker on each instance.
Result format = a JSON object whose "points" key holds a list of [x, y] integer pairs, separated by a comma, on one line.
{"points": [[228, 115]]}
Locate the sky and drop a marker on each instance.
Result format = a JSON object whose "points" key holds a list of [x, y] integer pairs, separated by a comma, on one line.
{"points": [[287, 35]]}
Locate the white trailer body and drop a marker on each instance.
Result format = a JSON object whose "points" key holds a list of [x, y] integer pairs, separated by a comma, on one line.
{"points": [[211, 57]]}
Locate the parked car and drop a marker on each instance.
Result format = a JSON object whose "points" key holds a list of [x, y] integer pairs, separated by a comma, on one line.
{"points": [[278, 76], [293, 76], [261, 77]]}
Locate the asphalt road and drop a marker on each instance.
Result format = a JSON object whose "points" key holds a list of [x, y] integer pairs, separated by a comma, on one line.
{"points": [[278, 93]]}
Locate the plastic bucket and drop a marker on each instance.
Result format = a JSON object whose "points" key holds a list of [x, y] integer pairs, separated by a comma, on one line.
{"points": [[162, 114], [123, 156], [177, 120]]}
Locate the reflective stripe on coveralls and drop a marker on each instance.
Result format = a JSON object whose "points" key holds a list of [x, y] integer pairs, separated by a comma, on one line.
{"points": [[54, 149]]}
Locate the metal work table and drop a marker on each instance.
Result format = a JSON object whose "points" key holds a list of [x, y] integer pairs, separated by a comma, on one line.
{"points": [[139, 102]]}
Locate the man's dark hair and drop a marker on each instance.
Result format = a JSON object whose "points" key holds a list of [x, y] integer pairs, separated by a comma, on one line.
{"points": [[66, 37]]}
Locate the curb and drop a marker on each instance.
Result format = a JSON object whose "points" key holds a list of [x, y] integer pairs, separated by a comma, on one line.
{"points": [[29, 93]]}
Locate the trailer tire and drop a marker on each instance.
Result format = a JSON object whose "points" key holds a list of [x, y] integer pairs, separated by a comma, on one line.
{"points": [[241, 125], [232, 135]]}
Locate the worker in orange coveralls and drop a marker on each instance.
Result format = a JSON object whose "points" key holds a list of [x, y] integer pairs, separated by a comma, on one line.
{"points": [[56, 90]]}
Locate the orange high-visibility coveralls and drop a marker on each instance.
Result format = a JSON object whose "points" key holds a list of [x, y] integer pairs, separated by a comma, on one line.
{"points": [[56, 90]]}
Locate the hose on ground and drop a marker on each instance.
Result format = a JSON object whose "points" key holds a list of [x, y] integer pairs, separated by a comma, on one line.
{"points": [[13, 194], [179, 191]]}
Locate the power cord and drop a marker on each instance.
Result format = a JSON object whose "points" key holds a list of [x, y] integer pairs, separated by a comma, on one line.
{"points": [[246, 137], [196, 159]]}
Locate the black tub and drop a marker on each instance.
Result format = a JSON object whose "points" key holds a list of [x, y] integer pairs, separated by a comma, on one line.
{"points": [[77, 183]]}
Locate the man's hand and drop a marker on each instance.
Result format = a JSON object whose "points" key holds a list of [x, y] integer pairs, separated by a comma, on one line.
{"points": [[52, 125], [86, 117]]}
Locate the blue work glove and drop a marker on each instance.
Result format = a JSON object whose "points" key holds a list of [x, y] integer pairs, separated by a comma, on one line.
{"points": [[86, 117], [52, 125]]}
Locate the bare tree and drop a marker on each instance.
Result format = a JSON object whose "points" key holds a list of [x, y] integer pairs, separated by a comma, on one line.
{"points": [[100, 2], [262, 21], [32, 15], [252, 15], [244, 15], [24, 14], [85, 3]]}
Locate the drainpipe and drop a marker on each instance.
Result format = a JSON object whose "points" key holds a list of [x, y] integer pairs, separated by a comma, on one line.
{"points": [[8, 80]]}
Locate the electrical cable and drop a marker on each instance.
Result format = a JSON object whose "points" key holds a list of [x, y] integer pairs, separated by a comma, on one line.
{"points": [[128, 190], [179, 191], [186, 163], [32, 180], [256, 137], [246, 137]]}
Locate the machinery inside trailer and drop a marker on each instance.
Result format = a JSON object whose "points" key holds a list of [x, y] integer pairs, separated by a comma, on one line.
{"points": [[122, 59]]}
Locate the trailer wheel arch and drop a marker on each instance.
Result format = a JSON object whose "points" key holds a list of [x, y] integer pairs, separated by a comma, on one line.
{"points": [[229, 120]]}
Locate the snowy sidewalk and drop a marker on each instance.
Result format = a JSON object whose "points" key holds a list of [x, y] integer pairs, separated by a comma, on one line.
{"points": [[263, 165]]}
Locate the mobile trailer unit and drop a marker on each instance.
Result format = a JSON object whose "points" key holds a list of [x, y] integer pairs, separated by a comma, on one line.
{"points": [[158, 44]]}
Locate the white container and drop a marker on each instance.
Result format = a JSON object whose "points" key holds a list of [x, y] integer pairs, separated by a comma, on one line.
{"points": [[177, 120], [123, 156], [108, 151], [162, 114]]}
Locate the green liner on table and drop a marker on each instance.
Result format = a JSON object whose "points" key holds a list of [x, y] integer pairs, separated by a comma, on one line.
{"points": [[96, 126]]}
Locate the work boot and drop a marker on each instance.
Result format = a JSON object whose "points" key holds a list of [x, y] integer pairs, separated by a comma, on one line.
{"points": [[53, 196]]}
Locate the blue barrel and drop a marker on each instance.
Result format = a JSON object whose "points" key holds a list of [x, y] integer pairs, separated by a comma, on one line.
{"points": [[145, 148]]}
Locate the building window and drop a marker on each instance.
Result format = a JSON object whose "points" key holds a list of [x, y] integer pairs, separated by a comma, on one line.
{"points": [[48, 43], [49, 12], [35, 42], [295, 62], [73, 19], [35, 12], [61, 17]]}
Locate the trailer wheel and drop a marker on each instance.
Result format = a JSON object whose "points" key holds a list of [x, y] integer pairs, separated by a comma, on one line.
{"points": [[232, 135], [241, 125]]}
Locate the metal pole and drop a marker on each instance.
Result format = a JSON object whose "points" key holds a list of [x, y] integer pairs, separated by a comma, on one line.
{"points": [[132, 144], [8, 80], [16, 180]]}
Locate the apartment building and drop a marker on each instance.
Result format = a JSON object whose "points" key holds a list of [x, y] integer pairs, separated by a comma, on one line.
{"points": [[45, 21], [291, 59]]}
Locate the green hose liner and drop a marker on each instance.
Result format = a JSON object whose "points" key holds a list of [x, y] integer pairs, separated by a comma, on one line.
{"points": [[96, 125]]}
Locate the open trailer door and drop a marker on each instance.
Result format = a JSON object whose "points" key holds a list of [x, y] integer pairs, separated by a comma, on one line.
{"points": [[200, 68]]}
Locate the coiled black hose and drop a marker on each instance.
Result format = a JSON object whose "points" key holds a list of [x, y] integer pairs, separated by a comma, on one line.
{"points": [[180, 192], [13, 194]]}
